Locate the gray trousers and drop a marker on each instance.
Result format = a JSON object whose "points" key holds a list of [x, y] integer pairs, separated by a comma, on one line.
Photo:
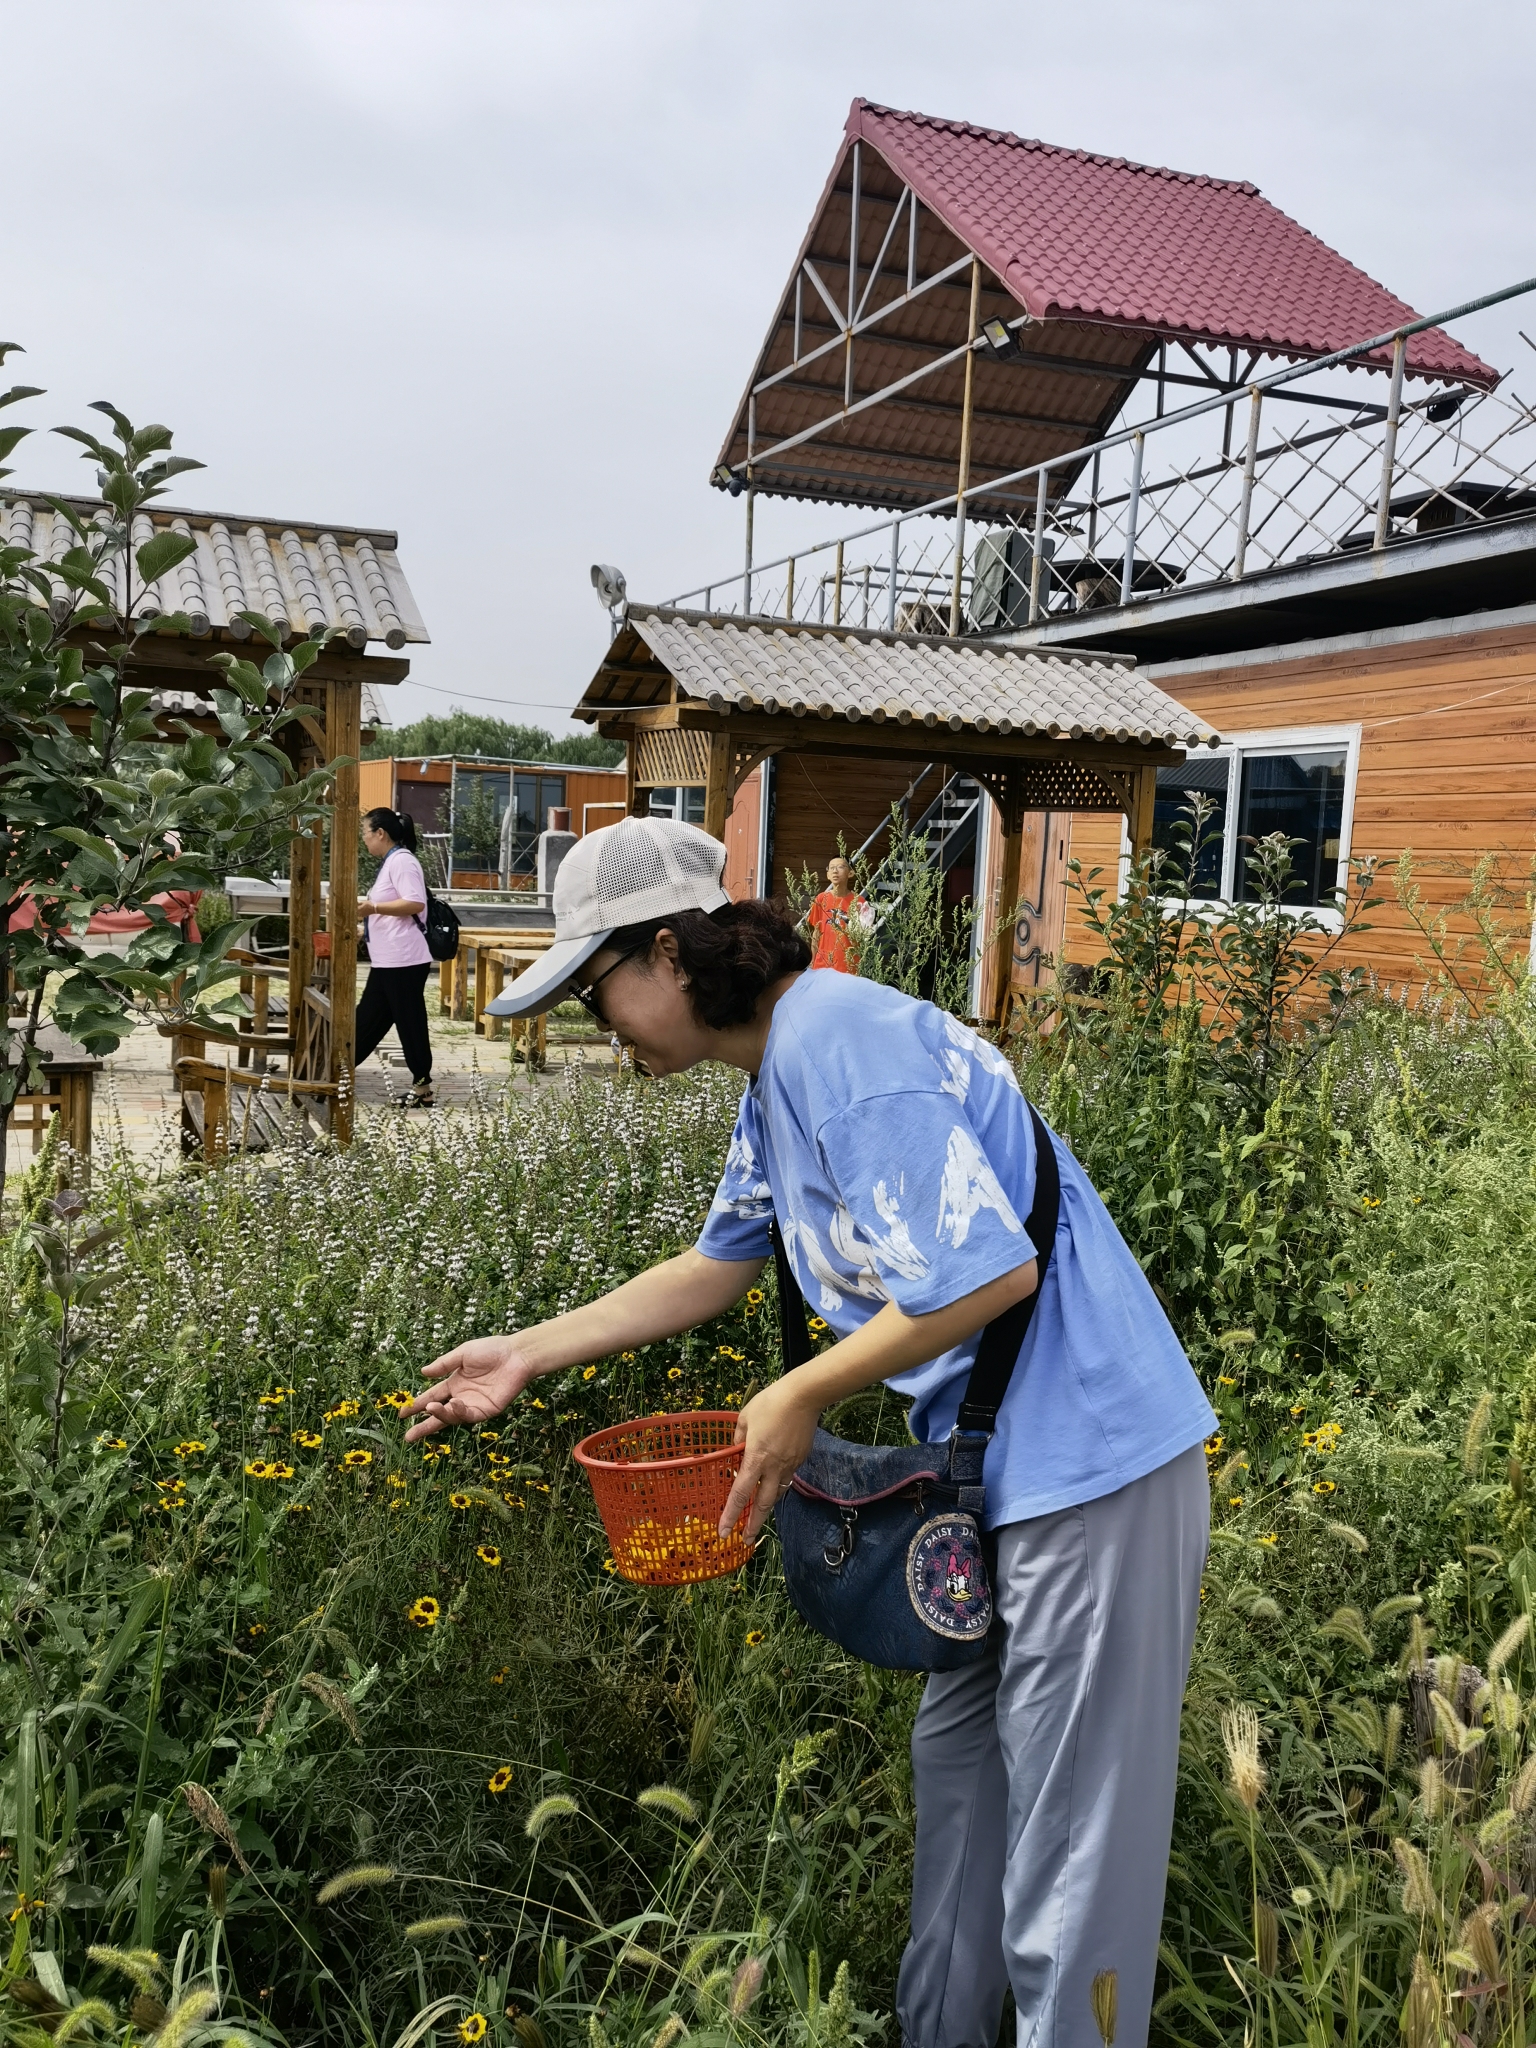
{"points": [[1044, 1777]]}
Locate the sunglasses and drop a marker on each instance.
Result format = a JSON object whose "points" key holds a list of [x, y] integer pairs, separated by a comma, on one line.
{"points": [[587, 995]]}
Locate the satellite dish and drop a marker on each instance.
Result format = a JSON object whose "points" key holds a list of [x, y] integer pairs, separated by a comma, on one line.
{"points": [[609, 584]]}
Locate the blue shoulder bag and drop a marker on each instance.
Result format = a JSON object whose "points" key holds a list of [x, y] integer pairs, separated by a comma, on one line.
{"points": [[884, 1549]]}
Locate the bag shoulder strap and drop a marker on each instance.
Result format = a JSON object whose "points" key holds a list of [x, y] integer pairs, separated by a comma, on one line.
{"points": [[1001, 1340]]}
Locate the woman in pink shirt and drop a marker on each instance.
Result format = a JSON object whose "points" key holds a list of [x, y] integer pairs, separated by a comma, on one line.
{"points": [[399, 960]]}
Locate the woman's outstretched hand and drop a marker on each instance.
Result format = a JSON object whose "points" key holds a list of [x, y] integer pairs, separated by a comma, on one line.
{"points": [[476, 1381], [776, 1426]]}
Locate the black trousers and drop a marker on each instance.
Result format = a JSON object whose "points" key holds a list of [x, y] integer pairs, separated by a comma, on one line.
{"points": [[398, 996]]}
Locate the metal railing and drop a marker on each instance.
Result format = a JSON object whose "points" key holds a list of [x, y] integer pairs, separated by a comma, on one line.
{"points": [[1158, 506]]}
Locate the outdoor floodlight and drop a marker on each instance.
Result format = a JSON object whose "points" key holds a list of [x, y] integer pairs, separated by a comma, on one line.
{"points": [[724, 478], [1447, 407], [609, 584], [1001, 339]]}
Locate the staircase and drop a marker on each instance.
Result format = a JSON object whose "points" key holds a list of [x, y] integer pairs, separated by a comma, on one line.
{"points": [[946, 830]]}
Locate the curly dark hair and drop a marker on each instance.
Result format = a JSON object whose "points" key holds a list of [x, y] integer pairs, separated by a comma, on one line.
{"points": [[729, 955]]}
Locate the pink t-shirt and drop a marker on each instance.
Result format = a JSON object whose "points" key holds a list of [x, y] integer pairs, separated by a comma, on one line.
{"points": [[398, 941]]}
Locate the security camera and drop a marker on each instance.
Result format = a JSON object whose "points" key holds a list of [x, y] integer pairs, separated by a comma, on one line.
{"points": [[609, 584]]}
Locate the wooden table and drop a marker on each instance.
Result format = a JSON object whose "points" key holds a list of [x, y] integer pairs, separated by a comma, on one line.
{"points": [[491, 964], [69, 1081], [454, 977]]}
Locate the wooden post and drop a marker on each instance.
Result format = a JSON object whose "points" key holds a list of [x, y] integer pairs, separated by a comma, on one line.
{"points": [[1139, 818], [303, 896], [717, 795], [635, 805], [343, 737], [482, 991], [963, 482], [445, 970], [1010, 818]]}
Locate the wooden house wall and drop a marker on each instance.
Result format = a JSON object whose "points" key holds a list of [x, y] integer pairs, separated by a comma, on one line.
{"points": [[818, 797], [1447, 770]]}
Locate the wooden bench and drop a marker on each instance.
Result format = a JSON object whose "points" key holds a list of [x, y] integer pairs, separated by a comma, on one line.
{"points": [[491, 965], [68, 1091], [230, 1109]]}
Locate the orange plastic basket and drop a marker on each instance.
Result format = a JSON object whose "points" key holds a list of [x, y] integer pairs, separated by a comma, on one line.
{"points": [[660, 1485]]}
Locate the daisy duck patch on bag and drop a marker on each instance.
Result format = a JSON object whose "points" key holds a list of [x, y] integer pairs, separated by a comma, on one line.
{"points": [[947, 1579]]}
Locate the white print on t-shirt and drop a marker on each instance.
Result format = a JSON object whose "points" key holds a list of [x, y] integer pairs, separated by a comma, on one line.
{"points": [[833, 1285], [752, 1203], [969, 1184], [850, 1246], [964, 1046], [896, 1248]]}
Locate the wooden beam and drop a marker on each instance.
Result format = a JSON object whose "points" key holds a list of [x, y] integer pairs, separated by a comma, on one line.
{"points": [[343, 720], [303, 903], [1006, 917], [781, 732]]}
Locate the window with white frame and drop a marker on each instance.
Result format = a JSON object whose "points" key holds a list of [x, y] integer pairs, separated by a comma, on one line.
{"points": [[1300, 781], [685, 804]]}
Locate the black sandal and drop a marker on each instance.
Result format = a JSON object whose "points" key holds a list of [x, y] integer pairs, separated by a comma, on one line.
{"points": [[419, 1095]]}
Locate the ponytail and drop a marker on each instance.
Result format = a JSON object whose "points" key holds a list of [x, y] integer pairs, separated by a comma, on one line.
{"points": [[400, 828]]}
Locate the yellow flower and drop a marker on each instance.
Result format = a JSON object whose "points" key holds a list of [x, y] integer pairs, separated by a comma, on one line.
{"points": [[627, 1357], [674, 1372], [490, 1436], [258, 1468], [1213, 1444], [113, 1443], [430, 1450], [311, 1439], [1225, 1379], [1271, 1539], [399, 1399], [755, 1296], [458, 1500], [500, 1677], [394, 1479], [1300, 1408], [275, 1399], [590, 1373], [423, 1612], [499, 1780], [357, 1459], [171, 1485], [817, 1325], [513, 1500], [190, 1448], [298, 1507], [538, 1486], [538, 1403], [609, 1565], [278, 1470], [489, 1554], [341, 1410], [1370, 1201], [1236, 1501], [472, 2027], [1324, 1486], [756, 1636]]}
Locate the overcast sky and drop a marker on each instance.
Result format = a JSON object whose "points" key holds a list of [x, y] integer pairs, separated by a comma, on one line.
{"points": [[493, 272]]}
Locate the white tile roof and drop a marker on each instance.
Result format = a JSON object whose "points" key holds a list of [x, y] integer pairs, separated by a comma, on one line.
{"points": [[295, 572], [962, 685]]}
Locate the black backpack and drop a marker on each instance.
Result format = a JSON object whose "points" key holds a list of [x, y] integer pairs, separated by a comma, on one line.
{"points": [[441, 926]]}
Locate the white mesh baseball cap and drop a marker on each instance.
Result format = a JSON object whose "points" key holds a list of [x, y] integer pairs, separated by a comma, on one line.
{"points": [[619, 875]]}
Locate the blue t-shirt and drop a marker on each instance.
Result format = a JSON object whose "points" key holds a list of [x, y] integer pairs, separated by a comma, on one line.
{"points": [[896, 1150]]}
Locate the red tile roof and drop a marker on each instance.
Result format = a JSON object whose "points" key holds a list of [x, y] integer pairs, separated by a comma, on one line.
{"points": [[1076, 236]]}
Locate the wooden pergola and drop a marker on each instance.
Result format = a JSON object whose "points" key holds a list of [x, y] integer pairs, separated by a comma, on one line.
{"points": [[700, 700], [307, 579]]}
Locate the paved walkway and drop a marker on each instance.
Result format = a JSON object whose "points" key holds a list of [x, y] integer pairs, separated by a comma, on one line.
{"points": [[137, 1107]]}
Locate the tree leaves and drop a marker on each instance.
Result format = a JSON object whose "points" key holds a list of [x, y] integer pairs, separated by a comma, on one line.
{"points": [[161, 554]]}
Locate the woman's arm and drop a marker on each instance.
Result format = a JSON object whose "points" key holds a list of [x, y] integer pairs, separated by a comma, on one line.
{"points": [[778, 1424], [400, 906], [482, 1377]]}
